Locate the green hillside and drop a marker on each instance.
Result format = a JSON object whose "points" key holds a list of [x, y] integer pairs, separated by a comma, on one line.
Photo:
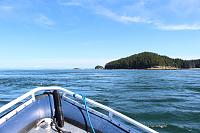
{"points": [[146, 60]]}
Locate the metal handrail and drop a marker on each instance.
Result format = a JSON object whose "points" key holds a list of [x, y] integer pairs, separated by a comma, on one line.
{"points": [[77, 96]]}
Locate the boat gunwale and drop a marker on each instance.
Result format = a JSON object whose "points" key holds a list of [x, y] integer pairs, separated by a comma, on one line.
{"points": [[99, 114], [77, 96]]}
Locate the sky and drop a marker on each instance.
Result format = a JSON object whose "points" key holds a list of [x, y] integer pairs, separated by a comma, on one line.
{"points": [[62, 34]]}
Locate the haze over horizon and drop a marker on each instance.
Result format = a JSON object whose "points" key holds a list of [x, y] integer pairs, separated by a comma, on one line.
{"points": [[84, 33]]}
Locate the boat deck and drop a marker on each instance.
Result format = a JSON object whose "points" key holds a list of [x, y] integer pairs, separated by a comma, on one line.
{"points": [[69, 128]]}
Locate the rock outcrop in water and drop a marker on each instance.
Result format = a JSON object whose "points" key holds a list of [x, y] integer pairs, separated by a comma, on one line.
{"points": [[99, 67], [149, 60]]}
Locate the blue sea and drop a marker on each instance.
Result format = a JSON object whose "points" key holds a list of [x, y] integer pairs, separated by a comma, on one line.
{"points": [[165, 100]]}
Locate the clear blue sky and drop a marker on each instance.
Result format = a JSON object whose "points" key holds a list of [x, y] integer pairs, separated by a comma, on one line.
{"points": [[84, 33]]}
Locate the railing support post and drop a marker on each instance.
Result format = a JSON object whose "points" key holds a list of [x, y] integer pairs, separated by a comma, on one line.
{"points": [[33, 96]]}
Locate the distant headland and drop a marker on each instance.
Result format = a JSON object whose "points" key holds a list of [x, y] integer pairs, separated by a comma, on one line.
{"points": [[152, 61]]}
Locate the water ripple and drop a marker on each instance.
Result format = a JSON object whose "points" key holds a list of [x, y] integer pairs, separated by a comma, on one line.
{"points": [[168, 101]]}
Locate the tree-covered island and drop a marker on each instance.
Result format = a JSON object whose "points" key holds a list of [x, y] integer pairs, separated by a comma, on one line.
{"points": [[149, 60]]}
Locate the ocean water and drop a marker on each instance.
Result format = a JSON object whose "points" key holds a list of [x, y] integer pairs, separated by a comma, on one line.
{"points": [[165, 100]]}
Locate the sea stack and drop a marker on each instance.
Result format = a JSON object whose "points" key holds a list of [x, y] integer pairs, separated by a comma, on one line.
{"points": [[99, 67]]}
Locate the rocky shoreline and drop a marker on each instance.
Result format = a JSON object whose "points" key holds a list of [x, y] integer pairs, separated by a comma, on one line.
{"points": [[163, 68]]}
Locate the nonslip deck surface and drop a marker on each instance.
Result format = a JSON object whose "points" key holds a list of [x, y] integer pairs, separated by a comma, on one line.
{"points": [[68, 127]]}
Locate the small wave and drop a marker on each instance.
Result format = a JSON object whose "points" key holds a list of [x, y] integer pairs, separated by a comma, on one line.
{"points": [[4, 101], [158, 126], [195, 89]]}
